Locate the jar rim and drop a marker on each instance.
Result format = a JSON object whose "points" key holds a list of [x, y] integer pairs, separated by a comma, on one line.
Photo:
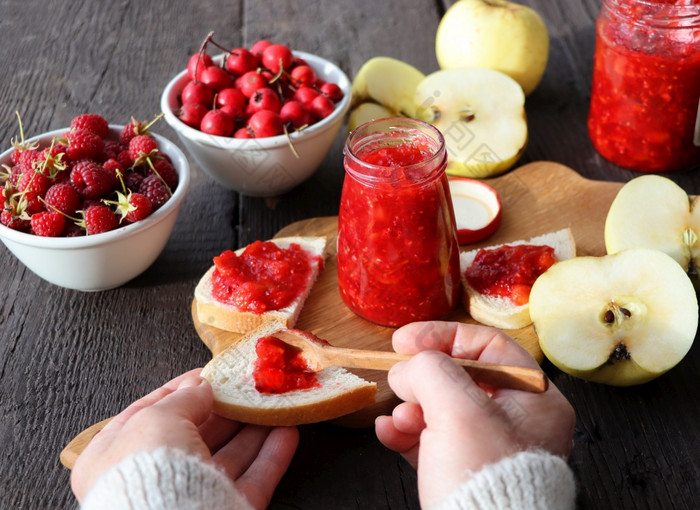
{"points": [[659, 13], [395, 126]]}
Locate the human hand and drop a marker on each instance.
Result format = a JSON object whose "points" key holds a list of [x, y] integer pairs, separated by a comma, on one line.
{"points": [[179, 414], [448, 427]]}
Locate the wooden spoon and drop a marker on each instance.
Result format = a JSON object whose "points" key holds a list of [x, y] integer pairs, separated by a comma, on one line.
{"points": [[321, 355]]}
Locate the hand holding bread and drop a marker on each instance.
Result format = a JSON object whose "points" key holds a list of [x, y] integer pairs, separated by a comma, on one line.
{"points": [[179, 415]]}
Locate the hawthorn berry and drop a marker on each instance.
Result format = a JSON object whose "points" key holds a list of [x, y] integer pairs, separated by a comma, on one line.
{"points": [[277, 58], [192, 114], [265, 123], [197, 92], [217, 122], [264, 99], [295, 114], [216, 78], [200, 61], [242, 60]]}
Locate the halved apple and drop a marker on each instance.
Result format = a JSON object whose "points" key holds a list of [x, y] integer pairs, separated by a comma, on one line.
{"points": [[366, 112], [620, 319], [652, 211], [481, 113], [388, 82]]}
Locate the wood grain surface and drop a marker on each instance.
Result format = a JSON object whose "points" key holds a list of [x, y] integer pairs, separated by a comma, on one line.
{"points": [[70, 359]]}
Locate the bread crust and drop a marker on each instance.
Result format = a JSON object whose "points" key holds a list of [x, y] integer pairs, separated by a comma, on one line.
{"points": [[330, 409], [224, 316], [500, 312]]}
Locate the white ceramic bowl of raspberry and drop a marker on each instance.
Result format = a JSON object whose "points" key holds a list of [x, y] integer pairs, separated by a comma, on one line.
{"points": [[262, 167], [109, 259]]}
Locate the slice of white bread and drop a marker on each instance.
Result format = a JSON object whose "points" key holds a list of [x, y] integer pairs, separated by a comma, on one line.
{"points": [[235, 397], [501, 312], [226, 316]]}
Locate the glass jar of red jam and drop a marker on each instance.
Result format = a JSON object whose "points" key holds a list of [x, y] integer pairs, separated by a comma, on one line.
{"points": [[644, 111], [398, 256]]}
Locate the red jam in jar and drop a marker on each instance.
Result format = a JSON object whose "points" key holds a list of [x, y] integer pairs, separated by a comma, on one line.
{"points": [[398, 256], [645, 98], [509, 271], [280, 368], [263, 277]]}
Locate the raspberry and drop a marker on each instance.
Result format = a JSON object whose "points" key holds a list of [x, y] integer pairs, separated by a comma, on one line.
{"points": [[141, 148], [84, 144], [167, 172], [135, 128], [33, 183], [112, 149], [31, 204], [92, 122], [48, 223], [91, 180], [14, 223], [15, 174], [132, 180], [72, 229], [50, 162], [133, 207], [113, 167], [27, 158], [124, 159], [64, 197], [98, 219], [155, 190]]}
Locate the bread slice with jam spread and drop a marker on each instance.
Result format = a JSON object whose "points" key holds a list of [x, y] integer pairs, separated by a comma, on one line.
{"points": [[229, 317], [501, 311], [335, 392]]}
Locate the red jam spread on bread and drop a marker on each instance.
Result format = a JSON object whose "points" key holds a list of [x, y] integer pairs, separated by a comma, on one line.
{"points": [[281, 368], [509, 271], [398, 259], [263, 277]]}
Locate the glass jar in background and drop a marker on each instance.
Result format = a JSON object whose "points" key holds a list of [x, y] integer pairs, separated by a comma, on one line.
{"points": [[645, 99], [398, 256]]}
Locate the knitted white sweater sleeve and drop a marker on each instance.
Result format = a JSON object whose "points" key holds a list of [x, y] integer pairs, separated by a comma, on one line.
{"points": [[528, 480], [164, 479]]}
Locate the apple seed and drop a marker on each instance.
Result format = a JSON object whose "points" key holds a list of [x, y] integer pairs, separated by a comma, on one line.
{"points": [[609, 317], [466, 114]]}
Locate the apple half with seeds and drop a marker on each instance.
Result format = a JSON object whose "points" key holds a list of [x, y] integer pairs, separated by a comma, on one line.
{"points": [[481, 114], [620, 319], [652, 211]]}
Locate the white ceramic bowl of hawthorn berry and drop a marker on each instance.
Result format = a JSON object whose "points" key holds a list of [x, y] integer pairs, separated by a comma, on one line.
{"points": [[71, 256], [263, 166]]}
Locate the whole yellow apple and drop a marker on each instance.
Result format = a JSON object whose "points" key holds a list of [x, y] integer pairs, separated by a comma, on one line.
{"points": [[495, 34]]}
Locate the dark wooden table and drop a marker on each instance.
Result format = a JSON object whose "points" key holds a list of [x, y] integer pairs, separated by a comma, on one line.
{"points": [[69, 359]]}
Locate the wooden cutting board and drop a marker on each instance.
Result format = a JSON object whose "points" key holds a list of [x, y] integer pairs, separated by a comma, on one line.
{"points": [[537, 198]]}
